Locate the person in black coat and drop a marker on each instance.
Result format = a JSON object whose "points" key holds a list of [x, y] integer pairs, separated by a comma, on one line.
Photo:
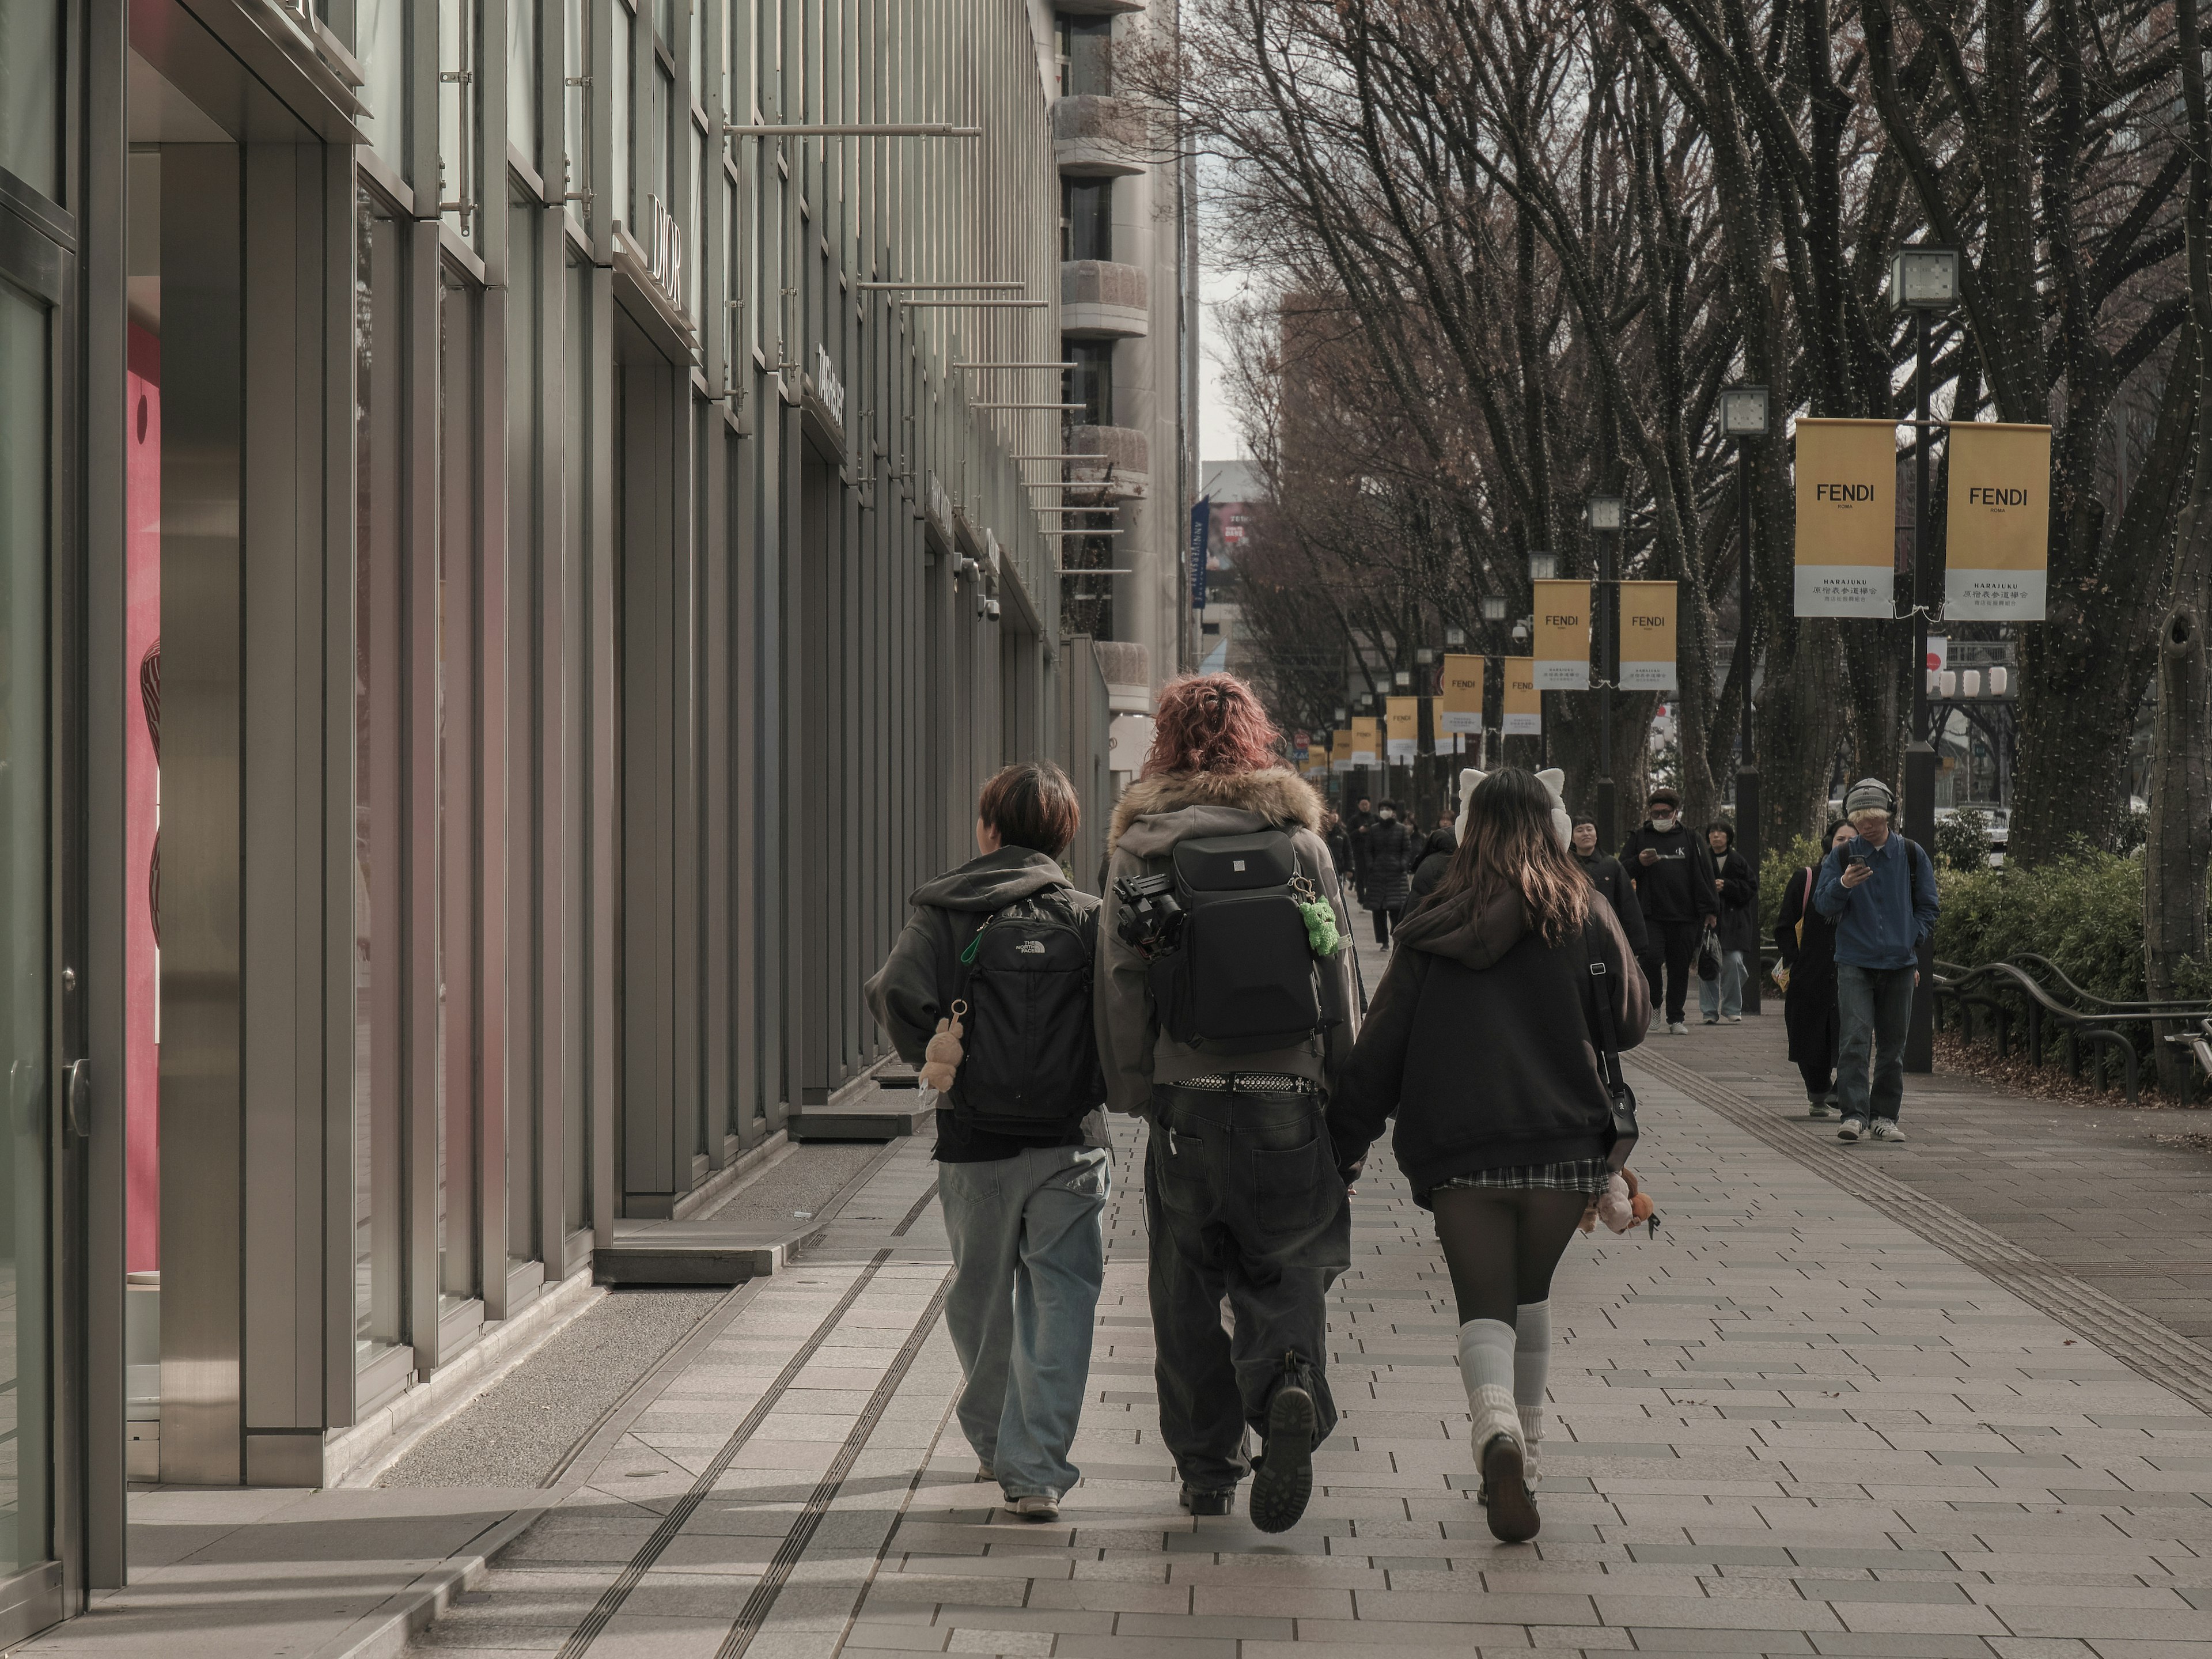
{"points": [[1722, 998], [1392, 852], [1334, 836], [1356, 823], [1674, 876], [1436, 858], [1807, 940], [1609, 878], [1483, 1041]]}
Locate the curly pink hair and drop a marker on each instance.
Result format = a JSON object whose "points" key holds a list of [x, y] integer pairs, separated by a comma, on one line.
{"points": [[1210, 723]]}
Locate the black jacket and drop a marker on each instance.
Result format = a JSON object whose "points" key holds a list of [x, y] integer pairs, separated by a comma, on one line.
{"points": [[1436, 859], [1338, 840], [1609, 878], [1479, 1041], [1678, 887], [1739, 905], [916, 985], [1809, 1006], [1392, 852]]}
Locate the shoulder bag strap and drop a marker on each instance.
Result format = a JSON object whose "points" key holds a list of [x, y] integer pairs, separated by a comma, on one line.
{"points": [[1598, 978]]}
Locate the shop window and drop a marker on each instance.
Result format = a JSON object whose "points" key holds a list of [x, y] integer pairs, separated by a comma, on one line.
{"points": [[1086, 218], [522, 77], [575, 509], [1085, 50], [460, 128], [1089, 382], [622, 188], [524, 564], [378, 1184], [31, 70], [381, 29], [575, 109]]}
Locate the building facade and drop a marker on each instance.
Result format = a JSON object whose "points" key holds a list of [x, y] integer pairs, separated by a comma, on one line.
{"points": [[514, 566]]}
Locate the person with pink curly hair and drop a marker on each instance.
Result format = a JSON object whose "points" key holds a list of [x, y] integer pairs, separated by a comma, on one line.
{"points": [[1242, 1195]]}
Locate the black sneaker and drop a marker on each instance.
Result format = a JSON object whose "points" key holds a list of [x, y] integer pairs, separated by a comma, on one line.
{"points": [[1505, 1496], [1282, 1480], [1195, 1502]]}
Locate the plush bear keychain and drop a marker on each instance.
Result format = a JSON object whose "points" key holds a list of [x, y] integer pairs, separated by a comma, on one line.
{"points": [[1622, 1204], [942, 1057]]}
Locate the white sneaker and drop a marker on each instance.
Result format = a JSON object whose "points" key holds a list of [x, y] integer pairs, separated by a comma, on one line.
{"points": [[1712, 1020], [1886, 1128], [1851, 1130], [1678, 1028], [1735, 1019], [1039, 1506]]}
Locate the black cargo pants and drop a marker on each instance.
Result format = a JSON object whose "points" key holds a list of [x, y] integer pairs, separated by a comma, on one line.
{"points": [[1242, 1200]]}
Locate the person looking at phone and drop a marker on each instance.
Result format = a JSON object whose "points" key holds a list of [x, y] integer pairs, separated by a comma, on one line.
{"points": [[1879, 891], [1674, 875]]}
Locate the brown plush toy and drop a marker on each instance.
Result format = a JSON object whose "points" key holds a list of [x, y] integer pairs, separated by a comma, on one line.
{"points": [[943, 1056], [1622, 1203]]}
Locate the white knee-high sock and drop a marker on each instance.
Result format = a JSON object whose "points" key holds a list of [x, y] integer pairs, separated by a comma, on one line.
{"points": [[1532, 1363], [1486, 1368]]}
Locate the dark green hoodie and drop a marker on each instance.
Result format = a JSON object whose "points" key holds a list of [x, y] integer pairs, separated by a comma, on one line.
{"points": [[915, 986]]}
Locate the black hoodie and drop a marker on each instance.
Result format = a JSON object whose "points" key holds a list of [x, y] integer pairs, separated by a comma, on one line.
{"points": [[915, 986], [1679, 885], [1479, 1041]]}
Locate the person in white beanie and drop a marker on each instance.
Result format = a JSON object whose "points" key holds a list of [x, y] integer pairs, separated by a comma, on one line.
{"points": [[1484, 1041]]}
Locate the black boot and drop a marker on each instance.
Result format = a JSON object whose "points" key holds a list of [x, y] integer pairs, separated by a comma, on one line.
{"points": [[1283, 1477]]}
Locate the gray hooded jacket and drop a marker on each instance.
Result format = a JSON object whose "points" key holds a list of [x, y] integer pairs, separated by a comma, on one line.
{"points": [[1152, 814]]}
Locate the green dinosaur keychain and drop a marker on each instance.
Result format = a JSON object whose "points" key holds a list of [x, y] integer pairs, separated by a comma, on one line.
{"points": [[1319, 919]]}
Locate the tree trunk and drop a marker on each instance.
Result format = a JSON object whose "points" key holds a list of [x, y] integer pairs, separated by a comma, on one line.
{"points": [[2180, 843]]}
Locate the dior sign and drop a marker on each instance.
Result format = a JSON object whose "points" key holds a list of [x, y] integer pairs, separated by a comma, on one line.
{"points": [[664, 253], [828, 387]]}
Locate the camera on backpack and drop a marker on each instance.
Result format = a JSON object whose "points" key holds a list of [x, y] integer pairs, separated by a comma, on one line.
{"points": [[1149, 921]]}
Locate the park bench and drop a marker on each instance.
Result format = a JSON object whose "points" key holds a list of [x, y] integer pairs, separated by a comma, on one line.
{"points": [[2032, 994]]}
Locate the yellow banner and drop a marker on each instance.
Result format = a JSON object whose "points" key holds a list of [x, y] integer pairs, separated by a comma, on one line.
{"points": [[1524, 704], [1366, 741], [1460, 709], [1846, 517], [1404, 718], [1997, 527], [1562, 636], [1647, 636], [1339, 750]]}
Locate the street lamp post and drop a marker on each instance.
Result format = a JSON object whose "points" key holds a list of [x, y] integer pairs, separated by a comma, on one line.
{"points": [[1603, 514], [1743, 417], [1493, 613], [1924, 281]]}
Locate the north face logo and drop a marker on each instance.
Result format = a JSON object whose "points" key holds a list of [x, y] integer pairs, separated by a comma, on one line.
{"points": [[1029, 947]]}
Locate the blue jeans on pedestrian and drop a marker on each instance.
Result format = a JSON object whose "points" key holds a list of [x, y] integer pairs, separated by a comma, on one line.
{"points": [[1725, 995], [1028, 1257], [1876, 1008]]}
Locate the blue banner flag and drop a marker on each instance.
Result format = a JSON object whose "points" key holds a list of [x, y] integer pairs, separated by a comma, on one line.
{"points": [[1201, 521]]}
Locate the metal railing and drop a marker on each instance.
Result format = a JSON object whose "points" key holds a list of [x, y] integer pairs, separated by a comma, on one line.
{"points": [[2032, 999]]}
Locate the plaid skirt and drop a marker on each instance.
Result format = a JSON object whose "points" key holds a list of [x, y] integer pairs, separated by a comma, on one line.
{"points": [[1573, 1175]]}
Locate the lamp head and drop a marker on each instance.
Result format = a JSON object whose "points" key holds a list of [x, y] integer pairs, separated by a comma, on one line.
{"points": [[1922, 277], [1543, 567], [1743, 411], [1493, 607], [1603, 512]]}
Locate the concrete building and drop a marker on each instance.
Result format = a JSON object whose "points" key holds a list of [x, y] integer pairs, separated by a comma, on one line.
{"points": [[512, 571]]}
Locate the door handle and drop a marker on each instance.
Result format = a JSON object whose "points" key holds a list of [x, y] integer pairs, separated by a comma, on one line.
{"points": [[79, 1099]]}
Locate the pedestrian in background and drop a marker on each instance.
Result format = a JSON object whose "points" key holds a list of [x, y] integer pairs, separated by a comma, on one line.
{"points": [[1337, 840], [1022, 1142], [1392, 852], [1357, 823], [1807, 942], [1879, 889], [1738, 934], [1485, 1041], [1241, 1195], [1673, 871], [1436, 858], [1609, 878]]}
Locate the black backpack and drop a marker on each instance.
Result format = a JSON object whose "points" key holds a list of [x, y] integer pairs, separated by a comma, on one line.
{"points": [[1242, 976], [1031, 1060]]}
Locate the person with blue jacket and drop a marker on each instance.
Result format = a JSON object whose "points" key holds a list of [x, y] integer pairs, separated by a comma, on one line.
{"points": [[1880, 892]]}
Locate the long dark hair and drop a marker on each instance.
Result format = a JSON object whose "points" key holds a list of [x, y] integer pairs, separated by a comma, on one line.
{"points": [[1511, 844]]}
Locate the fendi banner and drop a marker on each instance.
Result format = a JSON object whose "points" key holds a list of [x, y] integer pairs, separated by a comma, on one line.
{"points": [[1846, 517], [1647, 636], [1563, 636], [1366, 741], [1997, 527], [1403, 716], [1339, 750], [1524, 704], [1460, 709]]}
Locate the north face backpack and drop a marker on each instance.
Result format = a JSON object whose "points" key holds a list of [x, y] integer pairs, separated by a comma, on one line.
{"points": [[1243, 976], [1031, 1060]]}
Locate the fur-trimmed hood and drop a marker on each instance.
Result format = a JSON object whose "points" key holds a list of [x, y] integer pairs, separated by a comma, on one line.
{"points": [[1156, 812]]}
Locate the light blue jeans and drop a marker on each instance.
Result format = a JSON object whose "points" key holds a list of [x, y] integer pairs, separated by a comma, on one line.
{"points": [[1029, 1254], [1723, 995]]}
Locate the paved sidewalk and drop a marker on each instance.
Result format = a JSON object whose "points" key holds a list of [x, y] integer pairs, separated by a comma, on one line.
{"points": [[1788, 1424]]}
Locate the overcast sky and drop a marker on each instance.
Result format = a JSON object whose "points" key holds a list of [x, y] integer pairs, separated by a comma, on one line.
{"points": [[1217, 438]]}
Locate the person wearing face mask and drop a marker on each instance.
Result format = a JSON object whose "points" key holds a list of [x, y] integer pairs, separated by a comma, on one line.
{"points": [[1609, 878], [1673, 872], [1392, 852]]}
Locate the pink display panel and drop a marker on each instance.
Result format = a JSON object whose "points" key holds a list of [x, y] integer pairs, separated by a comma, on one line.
{"points": [[142, 787]]}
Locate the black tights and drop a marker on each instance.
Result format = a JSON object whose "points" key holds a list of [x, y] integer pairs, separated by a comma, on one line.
{"points": [[1382, 921], [1502, 1243]]}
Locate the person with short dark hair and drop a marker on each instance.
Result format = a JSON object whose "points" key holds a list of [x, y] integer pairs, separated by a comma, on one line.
{"points": [[1609, 878], [1722, 999], [1392, 852], [1807, 942], [1674, 876], [1436, 857], [1022, 1207]]}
